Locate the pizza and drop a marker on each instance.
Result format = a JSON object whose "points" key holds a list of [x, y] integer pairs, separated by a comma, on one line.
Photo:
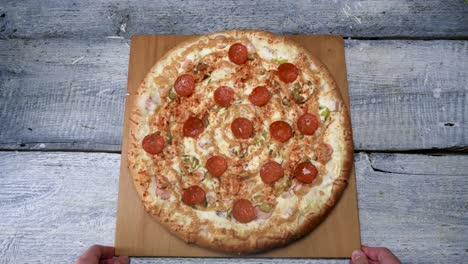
{"points": [[239, 141]]}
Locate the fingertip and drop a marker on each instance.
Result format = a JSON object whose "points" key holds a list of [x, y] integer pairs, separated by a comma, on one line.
{"points": [[123, 260], [357, 254], [358, 257], [364, 248], [370, 250], [101, 251]]}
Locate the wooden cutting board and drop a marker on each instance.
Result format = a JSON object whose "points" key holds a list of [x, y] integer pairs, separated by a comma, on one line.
{"points": [[138, 234]]}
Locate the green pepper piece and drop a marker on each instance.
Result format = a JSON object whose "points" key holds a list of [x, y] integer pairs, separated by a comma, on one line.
{"points": [[195, 163], [299, 99], [325, 113], [172, 95], [205, 120], [244, 153], [280, 60], [265, 207], [280, 190], [169, 137], [207, 176]]}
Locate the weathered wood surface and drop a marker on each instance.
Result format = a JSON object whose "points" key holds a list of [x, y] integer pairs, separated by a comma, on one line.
{"points": [[54, 205], [408, 94], [63, 71], [56, 96], [69, 94], [403, 18]]}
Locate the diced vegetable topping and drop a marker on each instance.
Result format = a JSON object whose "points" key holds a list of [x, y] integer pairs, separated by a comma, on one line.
{"points": [[191, 160], [169, 137], [244, 153], [265, 207], [295, 93], [324, 113], [280, 60], [285, 101], [207, 176], [205, 120], [260, 139], [247, 177], [200, 67], [280, 190], [172, 95]]}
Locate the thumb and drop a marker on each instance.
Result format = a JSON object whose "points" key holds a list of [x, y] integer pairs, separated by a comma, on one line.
{"points": [[358, 257]]}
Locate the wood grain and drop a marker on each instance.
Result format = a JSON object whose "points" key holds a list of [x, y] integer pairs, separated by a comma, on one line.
{"points": [[69, 94], [61, 202], [377, 18]]}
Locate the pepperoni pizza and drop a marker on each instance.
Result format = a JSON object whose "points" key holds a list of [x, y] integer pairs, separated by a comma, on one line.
{"points": [[239, 141]]}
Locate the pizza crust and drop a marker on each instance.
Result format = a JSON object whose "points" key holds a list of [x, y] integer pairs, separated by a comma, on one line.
{"points": [[236, 237]]}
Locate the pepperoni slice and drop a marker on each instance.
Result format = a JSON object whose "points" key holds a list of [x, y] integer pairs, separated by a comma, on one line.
{"points": [[193, 195], [153, 143], [259, 96], [184, 85], [216, 165], [193, 127], [243, 211], [307, 124], [305, 172], [271, 172], [288, 72], [281, 131], [242, 128], [224, 96], [238, 53]]}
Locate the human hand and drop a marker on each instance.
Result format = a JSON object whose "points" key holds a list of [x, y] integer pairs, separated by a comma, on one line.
{"points": [[98, 254], [373, 255]]}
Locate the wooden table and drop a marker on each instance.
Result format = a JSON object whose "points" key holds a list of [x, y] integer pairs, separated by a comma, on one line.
{"points": [[63, 71]]}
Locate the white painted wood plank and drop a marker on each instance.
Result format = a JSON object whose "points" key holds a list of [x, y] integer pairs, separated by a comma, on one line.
{"points": [[55, 204], [415, 214], [69, 94], [369, 18], [56, 96], [408, 95], [52, 205]]}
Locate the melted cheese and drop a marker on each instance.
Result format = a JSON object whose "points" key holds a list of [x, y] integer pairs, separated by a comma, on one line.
{"points": [[190, 144], [220, 142]]}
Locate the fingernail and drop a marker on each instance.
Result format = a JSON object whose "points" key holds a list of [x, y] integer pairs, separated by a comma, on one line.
{"points": [[356, 254]]}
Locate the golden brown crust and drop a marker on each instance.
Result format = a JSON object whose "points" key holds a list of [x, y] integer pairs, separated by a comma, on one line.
{"points": [[232, 242]]}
